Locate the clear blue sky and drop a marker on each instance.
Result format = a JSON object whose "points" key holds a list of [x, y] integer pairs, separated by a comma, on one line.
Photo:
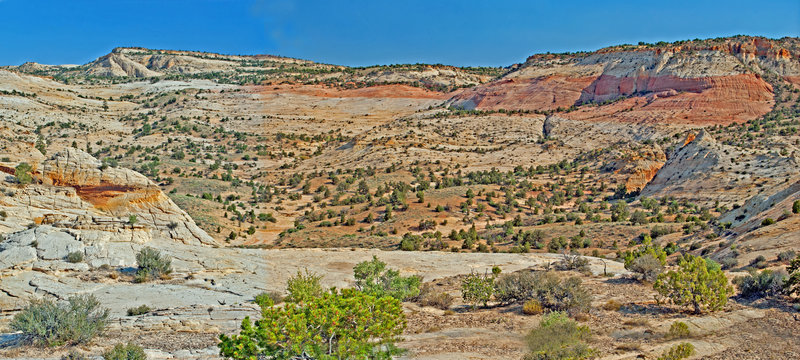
{"points": [[465, 32]]}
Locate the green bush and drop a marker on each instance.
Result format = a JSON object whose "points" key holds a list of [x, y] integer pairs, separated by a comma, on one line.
{"points": [[698, 283], [152, 265], [760, 284], [677, 352], [767, 222], [678, 330], [304, 287], [139, 310], [372, 277], [125, 352], [47, 323], [552, 292], [477, 289], [75, 257], [558, 337], [23, 173], [336, 325], [796, 207], [267, 299], [646, 248]]}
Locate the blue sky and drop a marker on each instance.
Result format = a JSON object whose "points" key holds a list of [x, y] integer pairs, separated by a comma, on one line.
{"points": [[358, 32]]}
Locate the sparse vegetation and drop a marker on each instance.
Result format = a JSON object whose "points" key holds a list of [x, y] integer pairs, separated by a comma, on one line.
{"points": [[152, 264], [47, 323], [558, 337], [128, 351]]}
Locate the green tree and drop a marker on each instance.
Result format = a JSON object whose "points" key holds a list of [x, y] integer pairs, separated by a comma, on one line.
{"points": [[23, 173], [372, 277], [698, 283], [338, 325], [792, 283]]}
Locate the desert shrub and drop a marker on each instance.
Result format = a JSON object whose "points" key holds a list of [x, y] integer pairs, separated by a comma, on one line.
{"points": [[786, 256], [128, 351], [552, 292], [152, 265], [767, 222], [698, 282], [428, 296], [336, 325], [796, 207], [729, 262], [374, 278], [532, 307], [74, 355], [612, 305], [477, 289], [75, 257], [139, 310], [759, 262], [47, 323], [268, 299], [760, 284], [660, 230], [303, 287], [677, 352], [646, 267], [678, 330], [558, 337], [574, 262]]}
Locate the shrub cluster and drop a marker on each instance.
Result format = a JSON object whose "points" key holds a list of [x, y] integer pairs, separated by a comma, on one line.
{"points": [[47, 323], [128, 351], [551, 291], [558, 337], [760, 284], [152, 264], [428, 296]]}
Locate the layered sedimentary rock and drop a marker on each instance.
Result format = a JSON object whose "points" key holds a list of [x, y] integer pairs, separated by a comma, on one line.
{"points": [[74, 190], [694, 84]]}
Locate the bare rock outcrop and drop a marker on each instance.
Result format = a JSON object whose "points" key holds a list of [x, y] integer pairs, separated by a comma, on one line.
{"points": [[74, 190]]}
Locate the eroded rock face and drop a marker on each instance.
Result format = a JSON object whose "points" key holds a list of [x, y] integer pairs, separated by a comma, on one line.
{"points": [[683, 84], [701, 169], [74, 191]]}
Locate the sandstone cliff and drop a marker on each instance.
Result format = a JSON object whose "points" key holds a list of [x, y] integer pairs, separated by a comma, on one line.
{"points": [[702, 82]]}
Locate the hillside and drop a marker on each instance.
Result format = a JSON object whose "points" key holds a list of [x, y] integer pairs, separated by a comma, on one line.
{"points": [[248, 168], [695, 82]]}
